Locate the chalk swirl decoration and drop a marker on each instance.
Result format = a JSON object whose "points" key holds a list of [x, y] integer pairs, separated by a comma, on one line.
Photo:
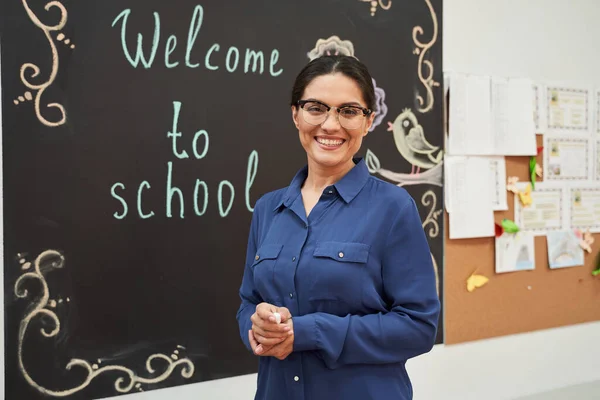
{"points": [[33, 70], [426, 78], [50, 260], [429, 199]]}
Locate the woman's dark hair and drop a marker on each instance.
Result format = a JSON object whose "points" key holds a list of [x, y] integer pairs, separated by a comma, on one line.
{"points": [[347, 65]]}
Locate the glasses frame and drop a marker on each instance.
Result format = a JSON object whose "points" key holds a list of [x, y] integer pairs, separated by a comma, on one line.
{"points": [[301, 103]]}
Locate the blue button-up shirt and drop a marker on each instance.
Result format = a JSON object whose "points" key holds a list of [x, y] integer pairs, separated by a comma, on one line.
{"points": [[358, 279]]}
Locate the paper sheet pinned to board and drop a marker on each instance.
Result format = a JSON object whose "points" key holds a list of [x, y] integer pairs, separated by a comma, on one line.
{"points": [[497, 176], [469, 197], [547, 211], [491, 116], [498, 170], [569, 108]]}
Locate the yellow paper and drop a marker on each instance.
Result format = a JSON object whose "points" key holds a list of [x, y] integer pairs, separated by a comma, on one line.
{"points": [[476, 281], [525, 196]]}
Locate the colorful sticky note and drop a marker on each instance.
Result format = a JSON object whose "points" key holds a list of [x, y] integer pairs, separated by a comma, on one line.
{"points": [[511, 186], [476, 281], [509, 226], [532, 165], [539, 150], [525, 196], [585, 240], [498, 230]]}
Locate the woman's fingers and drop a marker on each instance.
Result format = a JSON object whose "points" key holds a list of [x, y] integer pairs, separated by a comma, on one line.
{"points": [[270, 334], [268, 326], [268, 341], [257, 348], [272, 313], [252, 340], [265, 311], [284, 313]]}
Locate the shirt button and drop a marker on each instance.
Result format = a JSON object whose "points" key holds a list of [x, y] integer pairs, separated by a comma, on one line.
{"points": [[293, 258], [296, 378], [291, 295], [257, 257], [341, 255], [331, 191]]}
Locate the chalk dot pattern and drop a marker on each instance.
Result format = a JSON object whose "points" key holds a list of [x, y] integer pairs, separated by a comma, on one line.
{"points": [[27, 96], [63, 39]]}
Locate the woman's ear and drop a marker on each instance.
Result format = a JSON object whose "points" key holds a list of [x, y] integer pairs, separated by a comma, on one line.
{"points": [[295, 116], [369, 123]]}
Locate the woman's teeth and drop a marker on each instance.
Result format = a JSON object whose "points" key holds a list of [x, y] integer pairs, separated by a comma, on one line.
{"points": [[330, 142]]}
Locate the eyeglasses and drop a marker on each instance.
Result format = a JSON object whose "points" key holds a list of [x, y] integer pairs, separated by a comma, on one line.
{"points": [[315, 113]]}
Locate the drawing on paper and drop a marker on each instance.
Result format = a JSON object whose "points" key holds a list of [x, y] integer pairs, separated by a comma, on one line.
{"points": [[563, 249], [41, 306], [577, 198], [515, 252]]}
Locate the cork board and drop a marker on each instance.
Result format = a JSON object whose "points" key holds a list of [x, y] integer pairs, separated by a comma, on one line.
{"points": [[514, 302]]}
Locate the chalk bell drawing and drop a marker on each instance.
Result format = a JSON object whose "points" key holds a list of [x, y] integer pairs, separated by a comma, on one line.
{"points": [[412, 144]]}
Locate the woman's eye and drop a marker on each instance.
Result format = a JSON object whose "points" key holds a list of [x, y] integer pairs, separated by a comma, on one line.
{"points": [[349, 112]]}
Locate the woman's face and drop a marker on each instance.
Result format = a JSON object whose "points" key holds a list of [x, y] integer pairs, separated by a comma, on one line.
{"points": [[330, 145]]}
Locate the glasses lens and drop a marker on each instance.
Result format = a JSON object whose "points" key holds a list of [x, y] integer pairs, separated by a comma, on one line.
{"points": [[314, 113], [350, 117]]}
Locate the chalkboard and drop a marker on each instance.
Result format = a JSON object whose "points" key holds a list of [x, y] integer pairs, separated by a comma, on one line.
{"points": [[138, 135]]}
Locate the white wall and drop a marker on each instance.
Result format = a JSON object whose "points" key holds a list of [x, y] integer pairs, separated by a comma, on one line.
{"points": [[544, 40]]}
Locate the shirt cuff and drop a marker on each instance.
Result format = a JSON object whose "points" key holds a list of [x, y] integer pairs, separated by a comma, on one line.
{"points": [[305, 333]]}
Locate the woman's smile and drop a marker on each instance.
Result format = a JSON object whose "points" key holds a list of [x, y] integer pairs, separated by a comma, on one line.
{"points": [[329, 143]]}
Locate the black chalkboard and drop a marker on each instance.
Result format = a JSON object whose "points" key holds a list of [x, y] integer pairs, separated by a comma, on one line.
{"points": [[99, 147]]}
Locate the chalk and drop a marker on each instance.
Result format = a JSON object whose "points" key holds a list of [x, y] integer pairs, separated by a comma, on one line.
{"points": [[277, 317]]}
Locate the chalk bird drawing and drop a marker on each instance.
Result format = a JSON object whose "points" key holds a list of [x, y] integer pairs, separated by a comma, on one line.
{"points": [[412, 144]]}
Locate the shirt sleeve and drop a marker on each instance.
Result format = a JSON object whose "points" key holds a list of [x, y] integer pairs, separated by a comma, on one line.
{"points": [[249, 296], [407, 330]]}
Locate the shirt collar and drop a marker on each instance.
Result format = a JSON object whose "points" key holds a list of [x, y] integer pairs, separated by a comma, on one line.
{"points": [[347, 187]]}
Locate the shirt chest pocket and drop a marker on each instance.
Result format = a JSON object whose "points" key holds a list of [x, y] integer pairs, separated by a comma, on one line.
{"points": [[263, 269], [338, 276]]}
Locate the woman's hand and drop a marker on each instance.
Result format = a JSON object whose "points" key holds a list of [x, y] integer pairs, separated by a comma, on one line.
{"points": [[270, 337], [279, 351]]}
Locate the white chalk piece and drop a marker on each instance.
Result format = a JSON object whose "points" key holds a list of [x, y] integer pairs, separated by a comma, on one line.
{"points": [[277, 317]]}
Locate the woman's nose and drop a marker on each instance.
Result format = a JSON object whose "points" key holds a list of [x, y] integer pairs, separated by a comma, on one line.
{"points": [[331, 122]]}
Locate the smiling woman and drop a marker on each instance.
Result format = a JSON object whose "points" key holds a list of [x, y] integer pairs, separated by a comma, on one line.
{"points": [[339, 256]]}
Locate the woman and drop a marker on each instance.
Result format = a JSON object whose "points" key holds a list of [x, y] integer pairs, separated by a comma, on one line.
{"points": [[339, 288]]}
